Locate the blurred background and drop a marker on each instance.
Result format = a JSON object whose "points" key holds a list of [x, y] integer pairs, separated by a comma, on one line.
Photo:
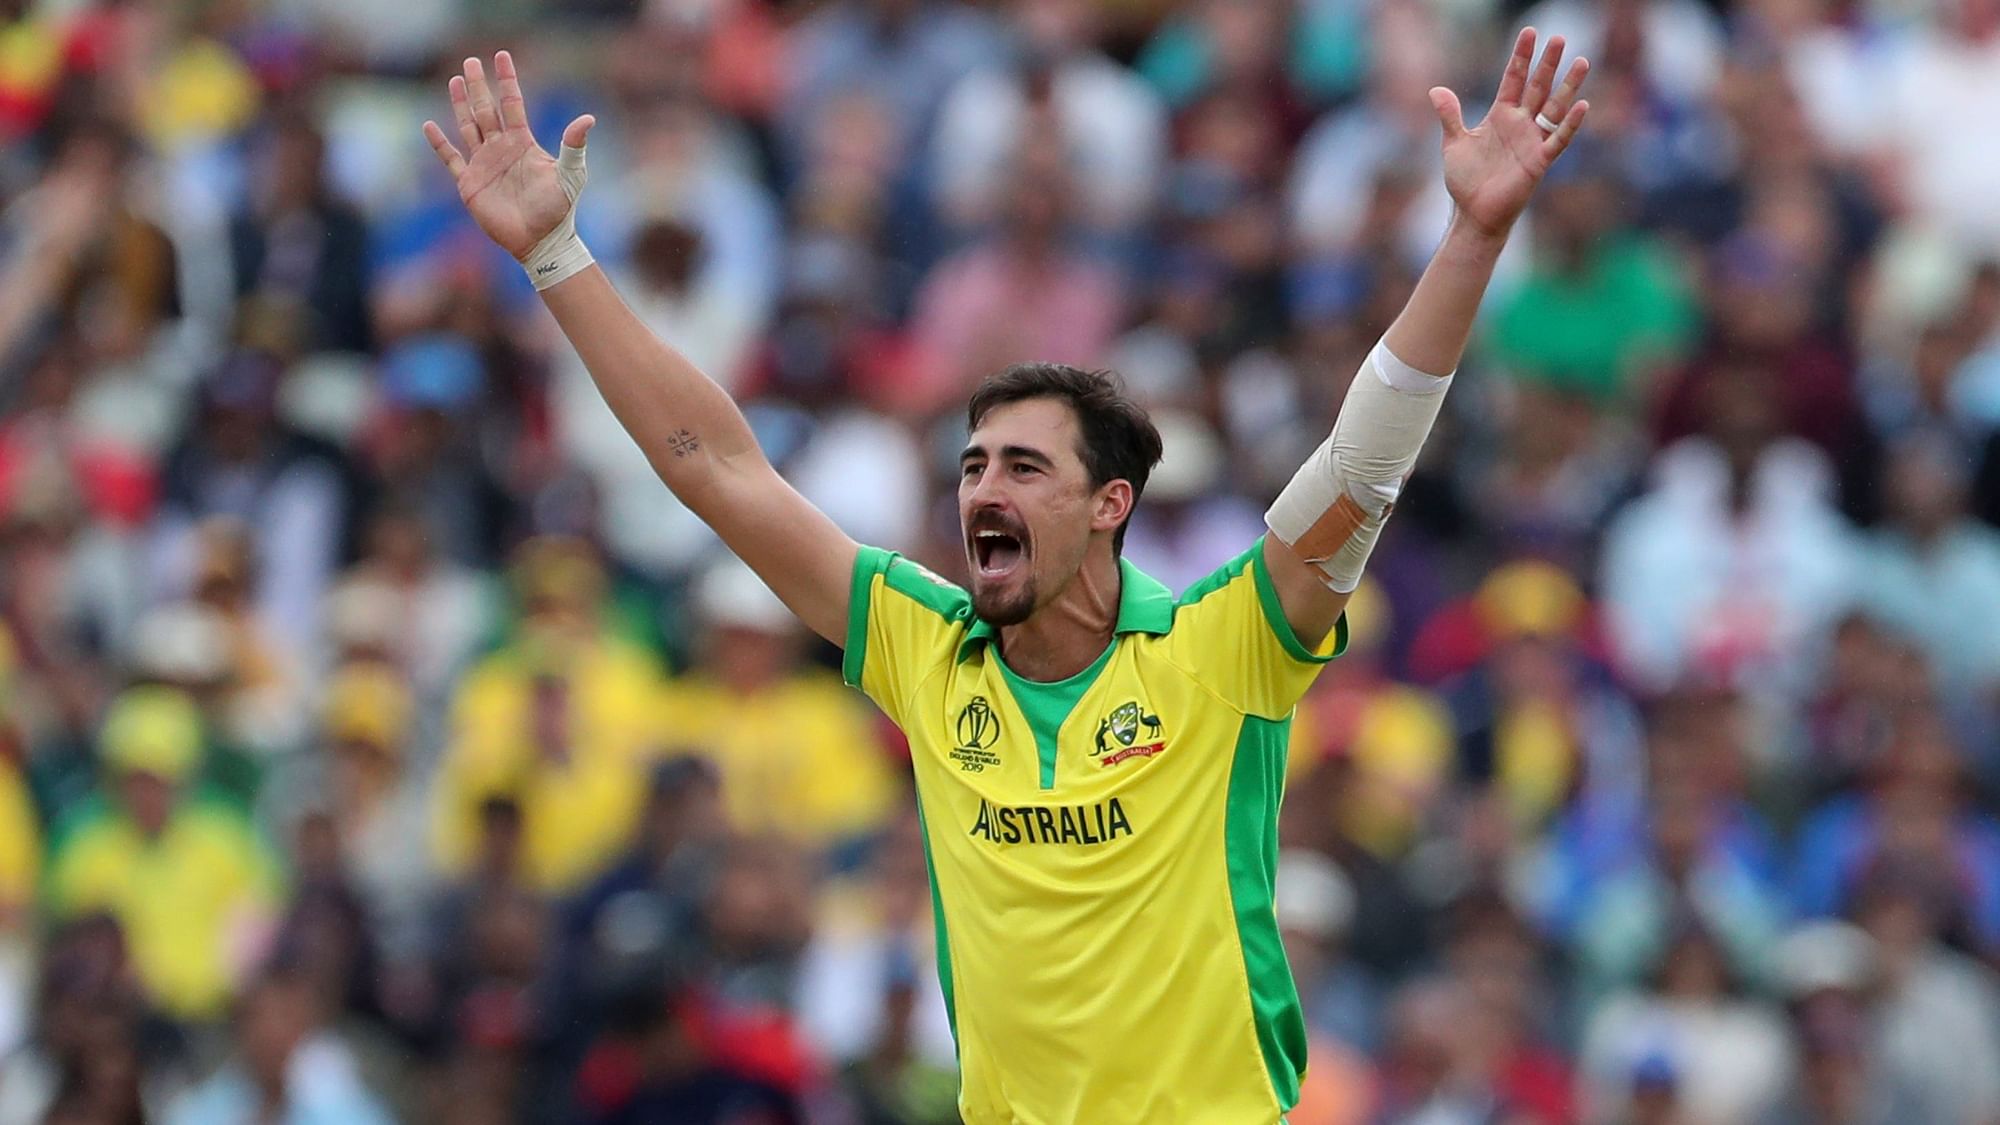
{"points": [[379, 741]]}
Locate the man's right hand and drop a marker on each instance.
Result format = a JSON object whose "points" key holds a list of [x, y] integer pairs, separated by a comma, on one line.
{"points": [[510, 184]]}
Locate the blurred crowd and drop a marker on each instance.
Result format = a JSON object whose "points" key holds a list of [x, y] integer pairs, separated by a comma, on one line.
{"points": [[379, 741]]}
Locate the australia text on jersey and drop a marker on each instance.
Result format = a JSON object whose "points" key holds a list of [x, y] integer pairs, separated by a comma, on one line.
{"points": [[1096, 823]]}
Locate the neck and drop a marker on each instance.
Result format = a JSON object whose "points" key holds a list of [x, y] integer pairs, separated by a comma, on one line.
{"points": [[1063, 637]]}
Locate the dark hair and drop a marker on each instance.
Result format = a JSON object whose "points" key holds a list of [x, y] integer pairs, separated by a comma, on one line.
{"points": [[1119, 441]]}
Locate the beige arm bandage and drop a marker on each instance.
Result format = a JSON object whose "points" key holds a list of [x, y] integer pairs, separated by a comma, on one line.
{"points": [[561, 255], [1333, 511]]}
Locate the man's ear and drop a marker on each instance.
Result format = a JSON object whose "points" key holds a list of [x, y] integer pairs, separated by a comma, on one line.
{"points": [[1113, 505]]}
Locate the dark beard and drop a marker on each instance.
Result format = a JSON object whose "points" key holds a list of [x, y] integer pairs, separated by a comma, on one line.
{"points": [[1001, 610]]}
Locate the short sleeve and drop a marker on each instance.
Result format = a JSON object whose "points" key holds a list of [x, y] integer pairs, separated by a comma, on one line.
{"points": [[1230, 631], [903, 621]]}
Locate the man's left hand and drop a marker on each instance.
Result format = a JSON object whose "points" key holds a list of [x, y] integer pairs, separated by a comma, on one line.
{"points": [[1493, 170]]}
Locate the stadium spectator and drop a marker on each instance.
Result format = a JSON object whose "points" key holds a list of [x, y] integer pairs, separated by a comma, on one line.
{"points": [[286, 1066], [1933, 572], [796, 754], [1058, 90], [185, 876], [1912, 810], [1728, 1054], [559, 721], [1026, 292]]}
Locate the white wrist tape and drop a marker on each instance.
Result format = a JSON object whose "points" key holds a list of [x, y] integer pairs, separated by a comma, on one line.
{"points": [[1333, 511], [561, 255]]}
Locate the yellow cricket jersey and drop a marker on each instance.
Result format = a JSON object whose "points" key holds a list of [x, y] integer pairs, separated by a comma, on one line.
{"points": [[1102, 848]]}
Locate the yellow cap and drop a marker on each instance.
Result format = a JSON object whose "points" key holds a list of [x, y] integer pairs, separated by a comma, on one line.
{"points": [[559, 569], [1530, 599], [368, 702], [154, 730]]}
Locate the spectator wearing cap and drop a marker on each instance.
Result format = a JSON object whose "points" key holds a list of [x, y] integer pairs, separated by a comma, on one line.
{"points": [[797, 754], [424, 450], [1535, 708], [561, 719], [187, 878], [188, 646], [239, 459]]}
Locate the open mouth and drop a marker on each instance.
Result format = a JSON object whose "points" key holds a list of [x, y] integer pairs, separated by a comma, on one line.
{"points": [[996, 553]]}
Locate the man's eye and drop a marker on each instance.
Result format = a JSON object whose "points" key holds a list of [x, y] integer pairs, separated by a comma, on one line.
{"points": [[968, 470], [1022, 468]]}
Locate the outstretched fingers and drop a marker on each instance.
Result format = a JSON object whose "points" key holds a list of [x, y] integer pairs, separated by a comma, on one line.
{"points": [[1566, 132], [1515, 79], [1544, 77], [1559, 102], [484, 112], [513, 107], [461, 111], [453, 160]]}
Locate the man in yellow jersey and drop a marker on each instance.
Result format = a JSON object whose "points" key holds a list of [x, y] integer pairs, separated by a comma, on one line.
{"points": [[1098, 763]]}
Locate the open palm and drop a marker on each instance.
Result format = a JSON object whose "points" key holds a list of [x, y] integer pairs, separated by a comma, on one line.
{"points": [[511, 185], [1493, 170]]}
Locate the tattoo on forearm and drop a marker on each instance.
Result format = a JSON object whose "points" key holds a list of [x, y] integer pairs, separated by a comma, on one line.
{"points": [[683, 443]]}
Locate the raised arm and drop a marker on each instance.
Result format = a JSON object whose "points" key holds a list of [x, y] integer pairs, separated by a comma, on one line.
{"points": [[688, 427], [1325, 523]]}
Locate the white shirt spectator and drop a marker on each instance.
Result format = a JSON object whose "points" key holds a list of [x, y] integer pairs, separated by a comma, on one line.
{"points": [[1689, 584], [1113, 131], [1943, 90]]}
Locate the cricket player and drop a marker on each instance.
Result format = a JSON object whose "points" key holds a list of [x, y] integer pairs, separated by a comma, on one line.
{"points": [[1098, 762]]}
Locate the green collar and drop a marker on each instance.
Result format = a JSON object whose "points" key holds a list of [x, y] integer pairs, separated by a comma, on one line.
{"points": [[1144, 606]]}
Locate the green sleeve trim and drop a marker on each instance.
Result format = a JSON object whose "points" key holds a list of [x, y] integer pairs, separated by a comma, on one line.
{"points": [[941, 935], [1256, 789], [921, 585], [868, 562], [1274, 615], [1222, 576]]}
